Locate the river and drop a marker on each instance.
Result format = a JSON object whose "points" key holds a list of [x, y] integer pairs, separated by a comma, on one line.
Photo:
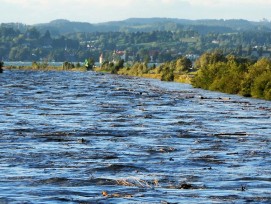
{"points": [[86, 137]]}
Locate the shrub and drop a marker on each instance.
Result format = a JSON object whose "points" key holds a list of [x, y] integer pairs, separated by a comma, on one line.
{"points": [[167, 75], [259, 68], [261, 88], [67, 65], [37, 65]]}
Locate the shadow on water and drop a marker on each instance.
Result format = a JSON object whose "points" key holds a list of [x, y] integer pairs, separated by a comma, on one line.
{"points": [[94, 138]]}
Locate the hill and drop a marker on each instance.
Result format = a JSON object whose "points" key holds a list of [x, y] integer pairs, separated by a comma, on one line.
{"points": [[203, 26], [60, 27]]}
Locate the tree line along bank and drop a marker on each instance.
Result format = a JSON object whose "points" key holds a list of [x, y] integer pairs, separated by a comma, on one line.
{"points": [[212, 71]]}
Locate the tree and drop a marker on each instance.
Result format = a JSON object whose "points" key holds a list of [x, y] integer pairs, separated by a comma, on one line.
{"points": [[167, 75], [262, 86], [89, 63], [256, 79], [119, 64], [67, 65], [183, 64], [210, 58], [32, 33]]}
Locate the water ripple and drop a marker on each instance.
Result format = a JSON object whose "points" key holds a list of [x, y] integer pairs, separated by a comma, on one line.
{"points": [[95, 138]]}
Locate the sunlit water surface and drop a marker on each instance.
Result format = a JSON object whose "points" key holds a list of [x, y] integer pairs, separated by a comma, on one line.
{"points": [[72, 137]]}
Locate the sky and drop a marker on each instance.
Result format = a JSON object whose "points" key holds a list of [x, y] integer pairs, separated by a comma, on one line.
{"points": [[94, 11]]}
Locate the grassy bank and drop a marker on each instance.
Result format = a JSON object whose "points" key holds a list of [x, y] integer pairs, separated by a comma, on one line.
{"points": [[178, 70], [180, 78]]}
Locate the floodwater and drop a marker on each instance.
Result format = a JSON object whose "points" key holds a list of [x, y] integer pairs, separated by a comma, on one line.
{"points": [[72, 137]]}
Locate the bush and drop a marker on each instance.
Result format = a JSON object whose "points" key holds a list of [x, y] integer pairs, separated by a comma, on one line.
{"points": [[68, 65], [89, 63], [261, 88], [167, 75], [37, 65], [256, 75]]}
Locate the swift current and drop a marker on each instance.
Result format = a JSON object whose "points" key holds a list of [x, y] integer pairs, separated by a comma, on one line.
{"points": [[86, 137]]}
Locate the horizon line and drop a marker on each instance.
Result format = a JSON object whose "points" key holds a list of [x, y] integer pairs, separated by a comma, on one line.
{"points": [[169, 18]]}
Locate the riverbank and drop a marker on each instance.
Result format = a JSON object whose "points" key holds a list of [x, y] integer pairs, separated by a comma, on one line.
{"points": [[212, 71], [179, 78]]}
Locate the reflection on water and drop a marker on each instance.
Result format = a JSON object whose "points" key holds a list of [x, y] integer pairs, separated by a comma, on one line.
{"points": [[88, 138]]}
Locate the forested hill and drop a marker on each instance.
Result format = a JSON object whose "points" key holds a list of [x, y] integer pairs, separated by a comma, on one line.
{"points": [[154, 24], [60, 26]]}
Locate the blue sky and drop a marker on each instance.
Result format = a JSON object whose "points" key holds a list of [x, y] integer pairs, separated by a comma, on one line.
{"points": [[93, 11]]}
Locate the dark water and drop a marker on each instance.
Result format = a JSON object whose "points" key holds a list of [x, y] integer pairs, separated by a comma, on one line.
{"points": [[68, 137]]}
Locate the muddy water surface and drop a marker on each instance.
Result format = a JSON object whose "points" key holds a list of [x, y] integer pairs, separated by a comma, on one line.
{"points": [[68, 137]]}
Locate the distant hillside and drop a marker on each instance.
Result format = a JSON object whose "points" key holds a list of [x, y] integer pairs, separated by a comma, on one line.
{"points": [[203, 26], [60, 27]]}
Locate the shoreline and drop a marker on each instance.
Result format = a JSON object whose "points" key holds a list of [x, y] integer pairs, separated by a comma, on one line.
{"points": [[178, 78]]}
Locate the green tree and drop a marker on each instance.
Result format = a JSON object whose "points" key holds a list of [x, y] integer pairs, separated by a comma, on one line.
{"points": [[229, 77], [167, 74], [183, 64], [261, 87], [138, 69], [32, 33], [254, 71], [209, 58], [68, 65], [118, 65], [89, 63]]}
